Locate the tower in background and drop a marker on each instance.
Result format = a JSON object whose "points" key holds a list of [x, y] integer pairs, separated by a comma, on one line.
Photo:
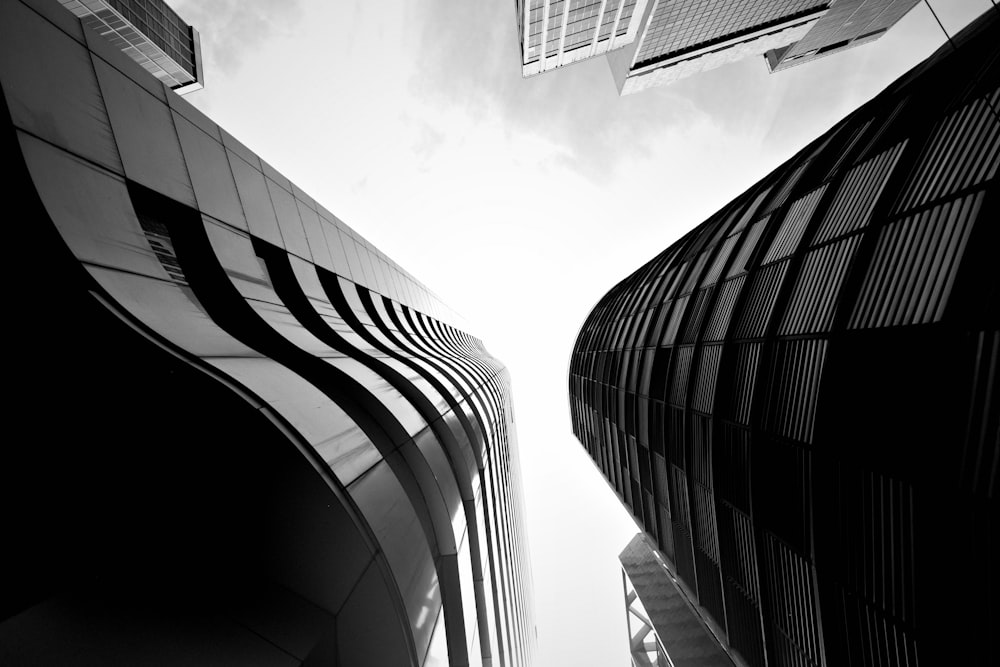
{"points": [[797, 400], [655, 42], [847, 24], [679, 38], [150, 33], [554, 33]]}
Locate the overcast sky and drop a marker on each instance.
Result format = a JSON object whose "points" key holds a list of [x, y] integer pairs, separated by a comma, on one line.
{"points": [[521, 202]]}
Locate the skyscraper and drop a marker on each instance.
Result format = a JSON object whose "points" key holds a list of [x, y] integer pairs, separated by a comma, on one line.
{"points": [[682, 37], [150, 33], [656, 42], [797, 400], [244, 435], [554, 33], [847, 24]]}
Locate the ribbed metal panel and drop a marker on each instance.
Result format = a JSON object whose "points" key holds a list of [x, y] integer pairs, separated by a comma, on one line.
{"points": [[782, 195], [844, 152], [715, 270], [873, 639], [693, 277], [794, 388], [876, 529], [722, 312], [674, 323], [794, 226], [703, 398], [862, 186], [682, 372], [763, 294], [703, 517], [698, 309], [876, 137], [743, 379], [743, 621], [710, 586], [915, 264], [750, 239], [738, 549], [792, 608], [964, 152], [751, 210], [679, 505], [980, 455], [732, 466], [817, 288]]}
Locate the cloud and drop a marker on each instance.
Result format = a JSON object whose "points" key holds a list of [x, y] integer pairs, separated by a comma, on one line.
{"points": [[467, 54], [231, 28]]}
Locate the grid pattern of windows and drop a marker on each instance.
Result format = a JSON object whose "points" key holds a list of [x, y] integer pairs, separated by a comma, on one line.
{"points": [[555, 33], [536, 22], [150, 33], [608, 20], [162, 25], [858, 278], [555, 30], [582, 23], [683, 25]]}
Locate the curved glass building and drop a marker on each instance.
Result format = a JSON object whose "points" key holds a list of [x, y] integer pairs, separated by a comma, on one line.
{"points": [[798, 399], [243, 434]]}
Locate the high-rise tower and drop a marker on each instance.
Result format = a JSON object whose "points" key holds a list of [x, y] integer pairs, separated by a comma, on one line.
{"points": [[150, 33], [680, 37], [244, 435], [554, 33], [797, 400], [847, 24]]}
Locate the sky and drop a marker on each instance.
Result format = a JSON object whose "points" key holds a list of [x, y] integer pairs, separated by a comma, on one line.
{"points": [[521, 202]]}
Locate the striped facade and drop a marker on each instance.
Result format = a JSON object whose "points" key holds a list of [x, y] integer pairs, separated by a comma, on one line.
{"points": [[797, 401], [554, 33], [252, 437]]}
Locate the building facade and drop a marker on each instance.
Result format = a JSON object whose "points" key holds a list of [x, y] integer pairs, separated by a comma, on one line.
{"points": [[246, 435], [660, 41], [152, 34], [680, 38], [554, 33], [797, 400], [847, 24]]}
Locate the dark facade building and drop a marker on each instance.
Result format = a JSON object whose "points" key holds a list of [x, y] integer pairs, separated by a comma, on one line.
{"points": [[240, 434], [150, 33], [798, 400]]}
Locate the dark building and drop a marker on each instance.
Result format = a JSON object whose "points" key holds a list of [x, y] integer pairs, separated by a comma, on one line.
{"points": [[239, 433], [798, 400], [150, 33]]}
